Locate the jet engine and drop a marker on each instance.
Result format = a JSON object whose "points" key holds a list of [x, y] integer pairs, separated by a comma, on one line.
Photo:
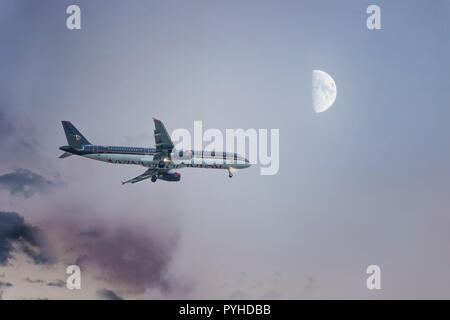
{"points": [[170, 176]]}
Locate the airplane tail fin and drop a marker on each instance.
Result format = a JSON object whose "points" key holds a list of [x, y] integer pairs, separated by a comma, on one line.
{"points": [[75, 139]]}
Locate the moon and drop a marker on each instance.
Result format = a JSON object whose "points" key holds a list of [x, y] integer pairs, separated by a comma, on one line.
{"points": [[323, 91]]}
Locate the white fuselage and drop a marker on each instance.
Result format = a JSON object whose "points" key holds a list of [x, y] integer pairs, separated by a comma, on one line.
{"points": [[178, 159]]}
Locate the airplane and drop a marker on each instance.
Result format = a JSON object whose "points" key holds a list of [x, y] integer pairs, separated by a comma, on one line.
{"points": [[160, 161]]}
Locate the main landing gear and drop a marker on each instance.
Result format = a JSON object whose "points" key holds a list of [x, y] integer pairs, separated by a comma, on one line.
{"points": [[154, 178]]}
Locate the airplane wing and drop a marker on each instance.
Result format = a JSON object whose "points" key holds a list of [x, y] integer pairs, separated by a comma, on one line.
{"points": [[147, 174], [164, 146], [162, 139]]}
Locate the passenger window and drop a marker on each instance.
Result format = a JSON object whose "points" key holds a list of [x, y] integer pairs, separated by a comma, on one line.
{"points": [[181, 154]]}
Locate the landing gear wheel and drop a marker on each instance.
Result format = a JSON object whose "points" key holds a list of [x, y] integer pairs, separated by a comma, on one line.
{"points": [[230, 175], [154, 178]]}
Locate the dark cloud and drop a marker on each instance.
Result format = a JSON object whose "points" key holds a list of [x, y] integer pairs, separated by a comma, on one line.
{"points": [[34, 281], [25, 182], [125, 255], [108, 294], [14, 230], [57, 283], [81, 260], [136, 257], [5, 284]]}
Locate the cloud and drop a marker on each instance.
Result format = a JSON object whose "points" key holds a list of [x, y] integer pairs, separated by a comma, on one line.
{"points": [[6, 126], [310, 283], [14, 230], [90, 233], [116, 253], [34, 281], [139, 258], [123, 253], [26, 183], [108, 294], [310, 287], [18, 139], [272, 295], [56, 283], [5, 284]]}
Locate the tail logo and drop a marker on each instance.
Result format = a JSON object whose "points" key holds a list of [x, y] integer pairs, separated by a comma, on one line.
{"points": [[77, 137]]}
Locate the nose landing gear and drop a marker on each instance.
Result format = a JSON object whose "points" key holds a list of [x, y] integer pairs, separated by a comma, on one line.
{"points": [[230, 175]]}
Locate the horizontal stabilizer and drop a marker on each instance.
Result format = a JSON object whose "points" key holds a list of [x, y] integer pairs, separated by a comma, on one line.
{"points": [[65, 155]]}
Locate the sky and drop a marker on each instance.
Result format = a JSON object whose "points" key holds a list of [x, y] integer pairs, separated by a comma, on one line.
{"points": [[362, 183]]}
